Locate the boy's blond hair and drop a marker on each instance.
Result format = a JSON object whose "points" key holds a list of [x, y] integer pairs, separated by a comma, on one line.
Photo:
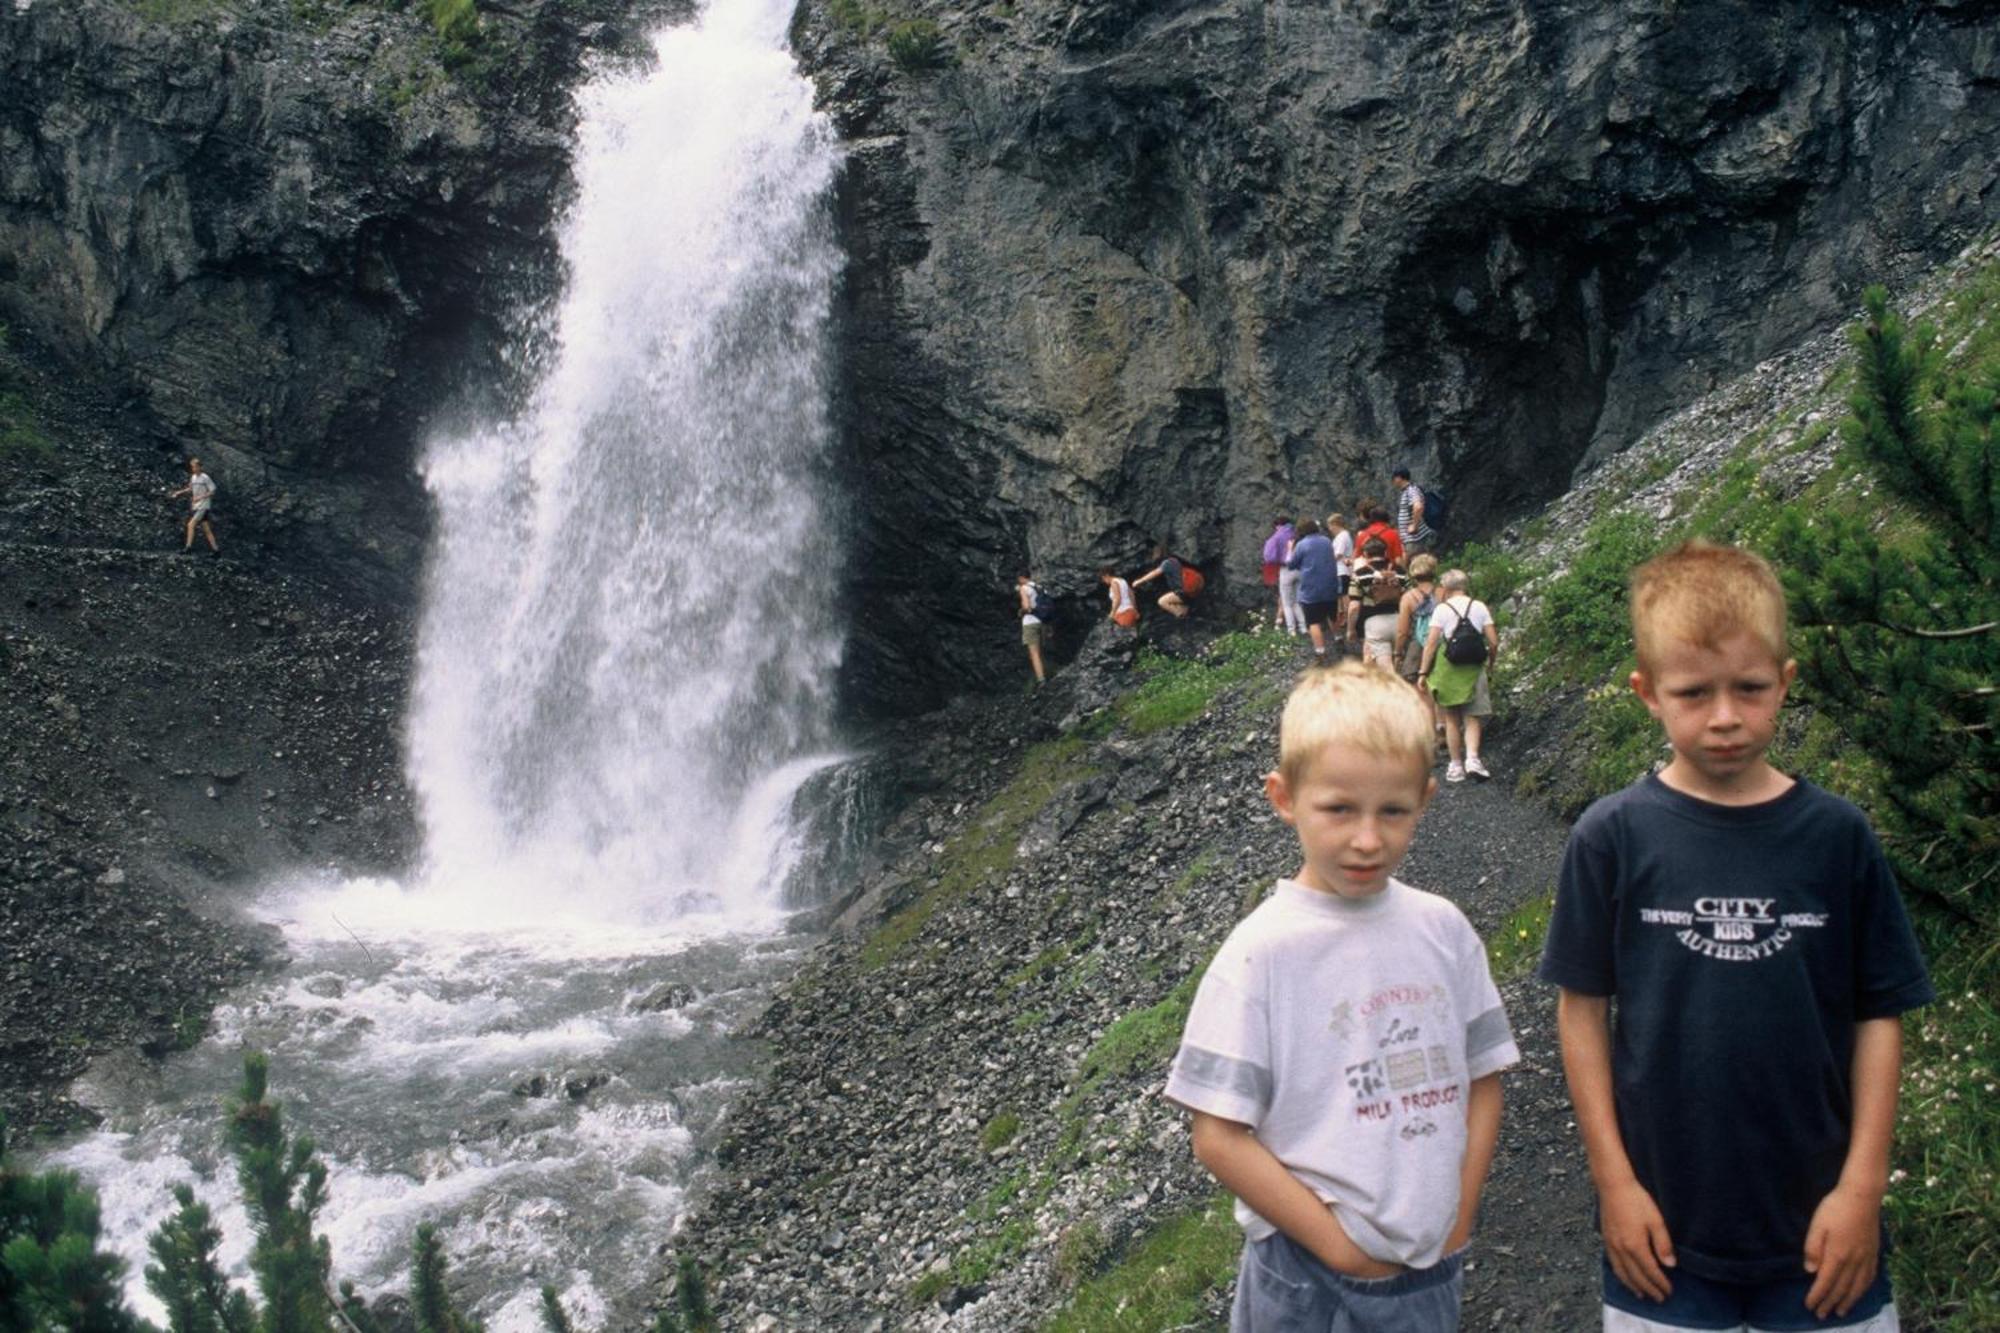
{"points": [[1702, 593], [1352, 704]]}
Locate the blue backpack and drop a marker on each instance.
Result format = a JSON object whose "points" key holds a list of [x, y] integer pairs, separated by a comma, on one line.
{"points": [[1437, 509]]}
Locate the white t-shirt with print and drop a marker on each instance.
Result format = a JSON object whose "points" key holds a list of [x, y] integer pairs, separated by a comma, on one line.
{"points": [[1346, 1033], [201, 489]]}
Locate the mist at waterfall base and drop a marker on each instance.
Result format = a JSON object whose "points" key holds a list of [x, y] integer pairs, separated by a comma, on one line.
{"points": [[623, 672]]}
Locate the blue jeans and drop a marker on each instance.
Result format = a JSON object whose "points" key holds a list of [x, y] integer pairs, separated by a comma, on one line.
{"points": [[1282, 1289]]}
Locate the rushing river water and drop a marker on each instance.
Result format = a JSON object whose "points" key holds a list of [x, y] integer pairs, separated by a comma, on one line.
{"points": [[623, 680]]}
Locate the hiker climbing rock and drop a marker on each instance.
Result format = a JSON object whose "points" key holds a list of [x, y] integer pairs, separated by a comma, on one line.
{"points": [[1124, 606], [1184, 582]]}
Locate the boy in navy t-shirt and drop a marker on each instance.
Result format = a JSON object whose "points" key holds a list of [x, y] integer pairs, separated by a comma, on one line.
{"points": [[1738, 1116]]}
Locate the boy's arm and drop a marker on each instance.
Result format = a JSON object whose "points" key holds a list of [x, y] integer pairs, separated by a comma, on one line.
{"points": [[1635, 1234], [1246, 1168], [1843, 1244], [1482, 1135]]}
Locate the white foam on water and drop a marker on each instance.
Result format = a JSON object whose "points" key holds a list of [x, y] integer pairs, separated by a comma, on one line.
{"points": [[624, 679]]}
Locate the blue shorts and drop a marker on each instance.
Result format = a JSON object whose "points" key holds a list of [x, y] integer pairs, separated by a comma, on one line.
{"points": [[1734, 1307], [1282, 1289]]}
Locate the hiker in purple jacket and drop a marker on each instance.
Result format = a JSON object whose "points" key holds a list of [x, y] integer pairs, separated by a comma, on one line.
{"points": [[1277, 550]]}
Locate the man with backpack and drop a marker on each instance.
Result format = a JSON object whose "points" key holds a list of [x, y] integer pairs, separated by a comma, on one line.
{"points": [[1036, 609], [1462, 643]]}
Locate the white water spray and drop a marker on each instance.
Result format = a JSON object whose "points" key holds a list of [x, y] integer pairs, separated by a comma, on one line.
{"points": [[623, 681], [630, 621]]}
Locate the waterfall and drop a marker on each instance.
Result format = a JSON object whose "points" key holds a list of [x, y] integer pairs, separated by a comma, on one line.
{"points": [[630, 629]]}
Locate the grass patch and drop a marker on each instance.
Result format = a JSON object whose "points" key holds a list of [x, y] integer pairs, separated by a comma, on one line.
{"points": [[986, 845], [1031, 971], [21, 433], [1143, 1039], [1496, 572], [976, 1262], [1028, 1020], [1161, 1282], [1178, 690], [1943, 1204], [1516, 943], [918, 47], [1000, 1130], [1582, 622], [1204, 864], [1080, 1251]]}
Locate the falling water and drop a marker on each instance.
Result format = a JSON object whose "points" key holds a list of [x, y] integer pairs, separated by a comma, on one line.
{"points": [[631, 619], [623, 676]]}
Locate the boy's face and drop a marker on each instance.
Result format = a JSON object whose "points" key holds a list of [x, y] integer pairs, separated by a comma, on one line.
{"points": [[1355, 814], [1719, 706]]}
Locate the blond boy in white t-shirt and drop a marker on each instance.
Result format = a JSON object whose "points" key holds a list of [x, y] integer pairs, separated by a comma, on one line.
{"points": [[1342, 1057]]}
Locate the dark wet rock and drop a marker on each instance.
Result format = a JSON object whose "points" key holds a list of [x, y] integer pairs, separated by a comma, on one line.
{"points": [[1134, 270], [578, 1085], [282, 240], [535, 1086], [667, 995], [117, 867]]}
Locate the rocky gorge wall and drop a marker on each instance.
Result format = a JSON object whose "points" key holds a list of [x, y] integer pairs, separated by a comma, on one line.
{"points": [[289, 237], [1122, 270], [1117, 270]]}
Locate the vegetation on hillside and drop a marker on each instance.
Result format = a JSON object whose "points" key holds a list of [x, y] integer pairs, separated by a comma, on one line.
{"points": [[1892, 567]]}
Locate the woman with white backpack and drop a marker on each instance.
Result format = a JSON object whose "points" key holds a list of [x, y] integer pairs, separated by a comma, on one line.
{"points": [[1462, 643]]}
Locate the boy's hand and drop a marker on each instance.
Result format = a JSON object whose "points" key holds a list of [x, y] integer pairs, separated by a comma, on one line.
{"points": [[1636, 1240], [1843, 1249], [1344, 1256]]}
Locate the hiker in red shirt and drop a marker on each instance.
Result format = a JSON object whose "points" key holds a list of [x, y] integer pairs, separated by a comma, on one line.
{"points": [[1380, 526]]}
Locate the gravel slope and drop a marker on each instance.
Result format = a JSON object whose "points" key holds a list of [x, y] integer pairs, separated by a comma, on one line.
{"points": [[866, 1186]]}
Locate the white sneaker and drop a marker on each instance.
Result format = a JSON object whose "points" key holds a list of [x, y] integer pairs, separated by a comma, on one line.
{"points": [[1454, 772], [1477, 769]]}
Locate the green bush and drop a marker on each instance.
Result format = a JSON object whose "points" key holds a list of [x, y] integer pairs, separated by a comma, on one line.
{"points": [[1080, 1252], [917, 46], [1000, 1130], [1581, 618], [1897, 628]]}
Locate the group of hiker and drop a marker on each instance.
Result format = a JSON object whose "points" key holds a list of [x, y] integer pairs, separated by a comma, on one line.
{"points": [[1379, 592], [1376, 592], [1181, 583]]}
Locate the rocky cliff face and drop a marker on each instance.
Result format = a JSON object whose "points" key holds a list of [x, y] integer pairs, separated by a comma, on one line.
{"points": [[1122, 270], [1162, 269], [289, 235]]}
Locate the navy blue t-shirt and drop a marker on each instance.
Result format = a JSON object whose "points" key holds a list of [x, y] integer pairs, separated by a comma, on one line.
{"points": [[1743, 944], [1319, 572]]}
